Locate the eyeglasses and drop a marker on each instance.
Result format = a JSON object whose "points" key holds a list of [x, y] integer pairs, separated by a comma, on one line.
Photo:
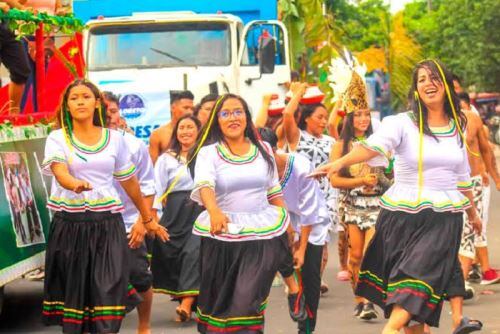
{"points": [[226, 114]]}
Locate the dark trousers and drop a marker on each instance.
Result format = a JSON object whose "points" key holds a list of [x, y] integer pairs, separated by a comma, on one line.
{"points": [[311, 284], [13, 55]]}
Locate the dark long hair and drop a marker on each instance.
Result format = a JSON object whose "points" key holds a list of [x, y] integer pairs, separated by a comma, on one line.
{"points": [[174, 145], [215, 132], [347, 136], [413, 99], [64, 118], [269, 136], [306, 110]]}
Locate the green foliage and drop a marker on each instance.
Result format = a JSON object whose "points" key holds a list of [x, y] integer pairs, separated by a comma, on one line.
{"points": [[313, 41], [290, 16], [26, 22], [404, 53], [360, 25], [463, 34]]}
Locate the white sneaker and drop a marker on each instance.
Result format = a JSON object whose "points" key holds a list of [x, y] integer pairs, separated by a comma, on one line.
{"points": [[469, 291]]}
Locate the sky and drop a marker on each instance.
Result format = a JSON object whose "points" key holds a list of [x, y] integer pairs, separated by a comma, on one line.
{"points": [[397, 5]]}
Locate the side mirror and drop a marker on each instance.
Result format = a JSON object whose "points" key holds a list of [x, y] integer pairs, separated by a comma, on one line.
{"points": [[267, 49]]}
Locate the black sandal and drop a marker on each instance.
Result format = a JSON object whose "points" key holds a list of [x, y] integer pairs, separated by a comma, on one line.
{"points": [[467, 326]]}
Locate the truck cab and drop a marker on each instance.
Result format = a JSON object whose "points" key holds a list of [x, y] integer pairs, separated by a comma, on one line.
{"points": [[144, 56]]}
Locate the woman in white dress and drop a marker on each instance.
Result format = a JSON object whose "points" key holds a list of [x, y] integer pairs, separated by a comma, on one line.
{"points": [[244, 226], [86, 268], [412, 261]]}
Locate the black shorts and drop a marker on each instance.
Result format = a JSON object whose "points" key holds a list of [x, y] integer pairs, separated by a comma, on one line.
{"points": [[13, 56], [140, 275]]}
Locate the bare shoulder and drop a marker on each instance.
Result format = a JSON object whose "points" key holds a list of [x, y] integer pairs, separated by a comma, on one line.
{"points": [[474, 122], [161, 132]]}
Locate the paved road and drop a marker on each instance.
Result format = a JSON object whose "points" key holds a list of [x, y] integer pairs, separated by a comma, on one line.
{"points": [[22, 307]]}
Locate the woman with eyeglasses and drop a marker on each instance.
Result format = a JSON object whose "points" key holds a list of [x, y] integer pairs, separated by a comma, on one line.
{"points": [[244, 226]]}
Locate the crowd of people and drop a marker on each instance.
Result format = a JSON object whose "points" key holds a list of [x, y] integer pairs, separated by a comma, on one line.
{"points": [[224, 205]]}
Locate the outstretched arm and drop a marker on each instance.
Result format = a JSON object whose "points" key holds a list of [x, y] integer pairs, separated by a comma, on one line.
{"points": [[358, 154], [341, 182], [66, 180]]}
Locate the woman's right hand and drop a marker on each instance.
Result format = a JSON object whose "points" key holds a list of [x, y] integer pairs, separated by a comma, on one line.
{"points": [[218, 222], [370, 180], [80, 185], [327, 169]]}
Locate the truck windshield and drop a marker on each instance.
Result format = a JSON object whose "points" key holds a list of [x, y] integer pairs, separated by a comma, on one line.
{"points": [[153, 45]]}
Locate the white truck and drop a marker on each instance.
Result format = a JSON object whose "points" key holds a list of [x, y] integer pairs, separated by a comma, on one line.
{"points": [[144, 56]]}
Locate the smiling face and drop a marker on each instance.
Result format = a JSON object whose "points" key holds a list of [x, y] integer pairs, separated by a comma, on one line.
{"points": [[430, 87], [187, 132], [82, 103], [361, 121], [232, 119], [316, 123]]}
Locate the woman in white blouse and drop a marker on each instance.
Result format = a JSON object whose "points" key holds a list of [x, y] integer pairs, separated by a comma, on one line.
{"points": [[412, 261], [87, 270], [244, 226]]}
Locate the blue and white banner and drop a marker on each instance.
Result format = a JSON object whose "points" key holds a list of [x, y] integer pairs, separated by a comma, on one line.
{"points": [[144, 107]]}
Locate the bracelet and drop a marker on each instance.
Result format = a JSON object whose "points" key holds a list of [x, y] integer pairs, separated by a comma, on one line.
{"points": [[148, 221]]}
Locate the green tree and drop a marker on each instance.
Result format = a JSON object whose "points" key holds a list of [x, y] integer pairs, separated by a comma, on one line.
{"points": [[359, 25], [312, 39], [463, 34]]}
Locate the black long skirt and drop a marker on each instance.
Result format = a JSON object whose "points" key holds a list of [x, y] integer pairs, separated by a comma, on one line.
{"points": [[86, 273], [176, 264], [236, 279], [412, 261]]}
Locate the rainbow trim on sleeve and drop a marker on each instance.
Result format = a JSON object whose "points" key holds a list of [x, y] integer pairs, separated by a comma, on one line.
{"points": [[274, 192], [48, 161], [125, 174]]}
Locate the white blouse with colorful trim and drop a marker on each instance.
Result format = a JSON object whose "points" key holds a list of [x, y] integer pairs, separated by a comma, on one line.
{"points": [[98, 164], [304, 199], [243, 186], [139, 155], [445, 166], [169, 169]]}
